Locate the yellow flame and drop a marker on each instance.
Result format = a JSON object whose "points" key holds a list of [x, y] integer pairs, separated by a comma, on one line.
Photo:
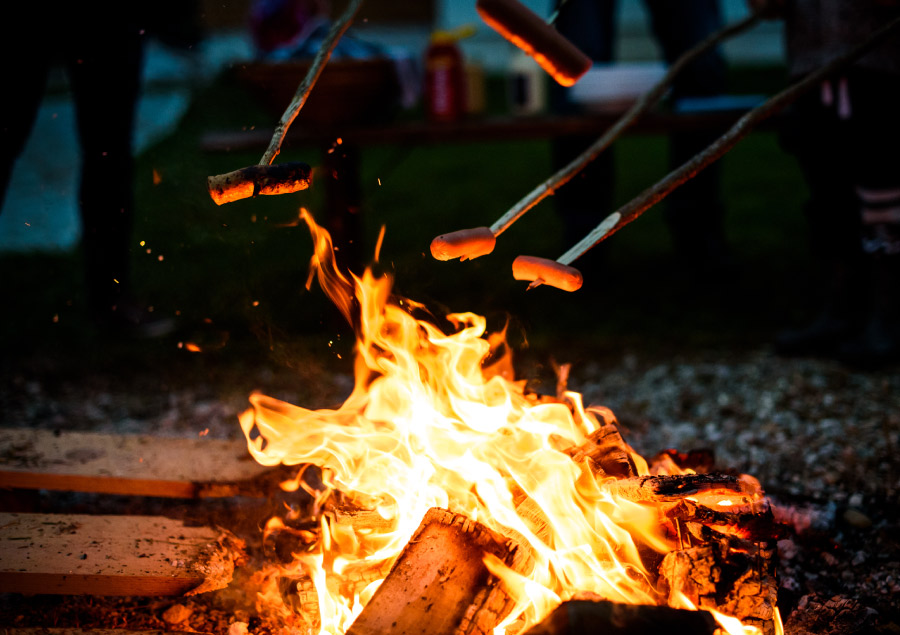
{"points": [[436, 419]]}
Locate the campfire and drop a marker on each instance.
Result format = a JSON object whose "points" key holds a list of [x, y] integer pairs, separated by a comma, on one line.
{"points": [[448, 498]]}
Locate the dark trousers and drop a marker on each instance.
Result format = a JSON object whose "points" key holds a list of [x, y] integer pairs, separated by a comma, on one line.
{"points": [[845, 137], [100, 46], [678, 25]]}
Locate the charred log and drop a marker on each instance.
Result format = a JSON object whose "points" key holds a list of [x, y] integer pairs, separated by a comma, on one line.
{"points": [[752, 526], [730, 575], [660, 489], [583, 616]]}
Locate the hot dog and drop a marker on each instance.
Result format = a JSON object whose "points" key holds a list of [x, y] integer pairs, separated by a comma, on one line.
{"points": [[524, 28], [257, 180], [547, 271], [464, 244]]}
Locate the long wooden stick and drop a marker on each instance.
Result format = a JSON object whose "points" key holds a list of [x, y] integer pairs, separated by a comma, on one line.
{"points": [[645, 103], [654, 194], [312, 76]]}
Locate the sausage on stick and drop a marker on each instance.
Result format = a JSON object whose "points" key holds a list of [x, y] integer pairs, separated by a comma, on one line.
{"points": [[470, 243], [548, 271], [266, 178]]}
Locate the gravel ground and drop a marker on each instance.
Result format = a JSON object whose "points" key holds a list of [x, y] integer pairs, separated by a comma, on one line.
{"points": [[821, 439]]}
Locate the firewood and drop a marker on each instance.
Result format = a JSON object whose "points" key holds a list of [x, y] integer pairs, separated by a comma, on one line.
{"points": [[298, 535], [729, 575], [658, 489], [439, 584], [364, 520], [112, 555], [300, 595], [131, 465], [91, 631], [577, 617], [701, 461], [752, 526], [607, 452]]}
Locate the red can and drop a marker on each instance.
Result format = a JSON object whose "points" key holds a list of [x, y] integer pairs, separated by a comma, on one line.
{"points": [[445, 87]]}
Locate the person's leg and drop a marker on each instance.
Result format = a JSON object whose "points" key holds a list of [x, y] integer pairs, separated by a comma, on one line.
{"points": [[872, 102], [25, 77], [819, 139], [694, 212], [586, 199], [104, 63]]}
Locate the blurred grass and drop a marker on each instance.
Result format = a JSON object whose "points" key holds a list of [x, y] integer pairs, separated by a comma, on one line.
{"points": [[235, 274]]}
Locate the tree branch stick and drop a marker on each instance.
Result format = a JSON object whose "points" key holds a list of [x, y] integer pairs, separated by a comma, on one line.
{"points": [[651, 196], [312, 76], [642, 105]]}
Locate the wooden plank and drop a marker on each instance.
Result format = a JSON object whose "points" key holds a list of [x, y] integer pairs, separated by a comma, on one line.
{"points": [[89, 631], [112, 555], [439, 584], [131, 465]]}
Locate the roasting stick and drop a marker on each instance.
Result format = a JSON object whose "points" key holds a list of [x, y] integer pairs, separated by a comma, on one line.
{"points": [[266, 178], [558, 273], [466, 244]]}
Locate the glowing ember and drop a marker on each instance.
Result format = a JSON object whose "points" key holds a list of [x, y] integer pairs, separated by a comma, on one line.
{"points": [[437, 420]]}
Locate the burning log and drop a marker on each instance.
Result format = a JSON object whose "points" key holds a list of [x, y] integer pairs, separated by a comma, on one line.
{"points": [[583, 616], [363, 520], [727, 574], [672, 488], [298, 535], [439, 583], [701, 461], [299, 592], [607, 453], [754, 526]]}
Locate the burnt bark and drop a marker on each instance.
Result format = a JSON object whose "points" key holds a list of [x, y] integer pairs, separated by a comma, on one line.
{"points": [[577, 617]]}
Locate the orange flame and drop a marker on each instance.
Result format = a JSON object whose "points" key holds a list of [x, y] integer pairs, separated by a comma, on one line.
{"points": [[431, 423]]}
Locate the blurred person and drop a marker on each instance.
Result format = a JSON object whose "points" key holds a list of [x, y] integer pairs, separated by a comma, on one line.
{"points": [[694, 212], [100, 45], [845, 137], [278, 24]]}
